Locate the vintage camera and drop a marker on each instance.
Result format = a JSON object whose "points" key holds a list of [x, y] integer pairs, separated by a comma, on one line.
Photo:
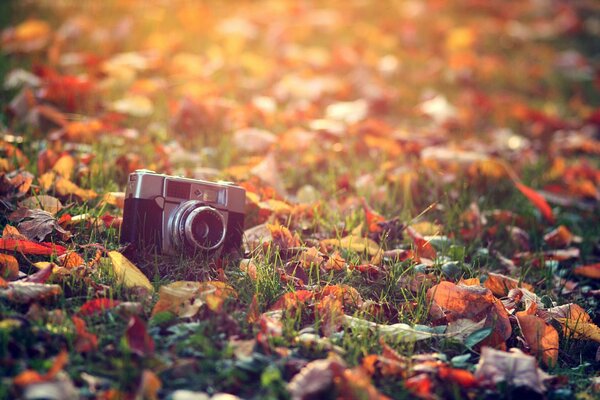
{"points": [[174, 215]]}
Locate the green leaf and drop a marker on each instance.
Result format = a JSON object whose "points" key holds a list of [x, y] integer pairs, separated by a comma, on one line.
{"points": [[477, 336]]}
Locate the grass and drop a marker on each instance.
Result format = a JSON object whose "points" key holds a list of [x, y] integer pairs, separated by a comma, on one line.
{"points": [[199, 353]]}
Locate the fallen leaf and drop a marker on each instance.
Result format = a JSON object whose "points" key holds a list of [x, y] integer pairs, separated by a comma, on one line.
{"points": [[282, 237], [461, 377], [9, 267], [65, 166], [500, 284], [134, 105], [28, 292], [29, 377], [36, 224], [42, 275], [541, 337], [513, 367], [400, 332], [185, 298], [560, 237], [149, 386], [44, 202], [138, 339], [127, 273], [85, 341], [423, 247], [97, 306], [28, 247], [537, 200], [589, 271], [30, 35], [472, 302], [315, 380], [354, 243], [253, 140]]}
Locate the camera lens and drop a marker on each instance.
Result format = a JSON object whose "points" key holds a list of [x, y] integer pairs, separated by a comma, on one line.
{"points": [[205, 228], [195, 226]]}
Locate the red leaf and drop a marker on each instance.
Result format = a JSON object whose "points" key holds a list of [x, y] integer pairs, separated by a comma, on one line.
{"points": [[372, 217], [97, 306], [27, 247], [138, 339], [537, 200], [424, 248]]}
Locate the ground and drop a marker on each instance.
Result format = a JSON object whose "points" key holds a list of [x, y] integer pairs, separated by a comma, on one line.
{"points": [[422, 199]]}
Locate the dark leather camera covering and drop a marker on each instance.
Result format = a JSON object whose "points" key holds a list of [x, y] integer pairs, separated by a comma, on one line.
{"points": [[143, 225]]}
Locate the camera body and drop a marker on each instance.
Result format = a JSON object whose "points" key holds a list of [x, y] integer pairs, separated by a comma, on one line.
{"points": [[174, 215]]}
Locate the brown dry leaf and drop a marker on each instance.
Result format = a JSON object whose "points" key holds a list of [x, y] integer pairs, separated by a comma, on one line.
{"points": [[185, 298], [249, 267], [44, 202], [560, 237], [541, 337], [335, 262], [331, 314], [282, 237], [500, 284], [513, 367], [28, 292], [311, 257], [11, 232], [37, 224], [315, 379], [9, 267], [472, 302], [127, 273]]}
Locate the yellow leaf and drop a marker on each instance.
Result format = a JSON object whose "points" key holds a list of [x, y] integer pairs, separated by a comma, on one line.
{"points": [[580, 329], [128, 273], [65, 166], [185, 298], [355, 243]]}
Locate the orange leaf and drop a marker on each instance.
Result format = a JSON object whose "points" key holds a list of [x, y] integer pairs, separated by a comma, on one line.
{"points": [[9, 267], [472, 302], [85, 341], [500, 284], [424, 248], [537, 200], [540, 336], [589, 271], [460, 376], [372, 217], [28, 247]]}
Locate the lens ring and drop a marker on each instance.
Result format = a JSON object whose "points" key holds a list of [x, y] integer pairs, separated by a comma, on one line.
{"points": [[177, 219], [189, 223]]}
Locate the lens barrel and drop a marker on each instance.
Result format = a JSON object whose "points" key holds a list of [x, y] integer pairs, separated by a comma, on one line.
{"points": [[196, 226]]}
